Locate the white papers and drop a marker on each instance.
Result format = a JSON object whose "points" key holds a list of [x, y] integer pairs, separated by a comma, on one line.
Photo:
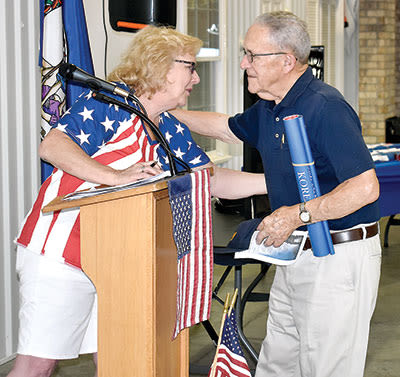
{"points": [[104, 190], [283, 255]]}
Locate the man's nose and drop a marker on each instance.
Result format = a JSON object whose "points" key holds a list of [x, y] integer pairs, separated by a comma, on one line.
{"points": [[244, 63]]}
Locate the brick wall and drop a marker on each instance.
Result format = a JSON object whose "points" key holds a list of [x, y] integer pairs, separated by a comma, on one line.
{"points": [[378, 68], [397, 57]]}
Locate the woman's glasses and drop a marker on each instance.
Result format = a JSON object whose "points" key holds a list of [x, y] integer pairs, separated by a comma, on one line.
{"points": [[192, 67]]}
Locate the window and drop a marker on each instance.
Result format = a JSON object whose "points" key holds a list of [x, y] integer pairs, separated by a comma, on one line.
{"points": [[203, 22], [203, 99]]}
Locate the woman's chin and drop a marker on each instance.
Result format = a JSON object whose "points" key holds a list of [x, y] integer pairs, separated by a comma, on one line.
{"points": [[182, 103]]}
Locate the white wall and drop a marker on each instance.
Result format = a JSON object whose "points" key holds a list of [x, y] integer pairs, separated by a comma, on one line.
{"points": [[19, 136], [240, 15], [351, 53], [100, 35]]}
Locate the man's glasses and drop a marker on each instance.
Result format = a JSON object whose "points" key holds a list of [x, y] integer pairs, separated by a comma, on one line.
{"points": [[192, 64], [250, 56]]}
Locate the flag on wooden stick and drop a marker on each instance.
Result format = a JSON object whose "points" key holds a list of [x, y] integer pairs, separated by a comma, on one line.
{"points": [[229, 360], [190, 201]]}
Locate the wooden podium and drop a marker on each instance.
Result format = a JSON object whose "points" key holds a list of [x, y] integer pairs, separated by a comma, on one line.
{"points": [[127, 250]]}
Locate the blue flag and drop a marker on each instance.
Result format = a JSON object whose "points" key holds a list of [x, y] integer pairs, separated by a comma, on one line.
{"points": [[63, 38]]}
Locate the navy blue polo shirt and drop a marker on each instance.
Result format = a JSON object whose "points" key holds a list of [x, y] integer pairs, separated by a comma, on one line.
{"points": [[334, 133]]}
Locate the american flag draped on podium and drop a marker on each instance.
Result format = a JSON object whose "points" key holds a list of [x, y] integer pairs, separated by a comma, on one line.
{"points": [[190, 202], [230, 361], [63, 37]]}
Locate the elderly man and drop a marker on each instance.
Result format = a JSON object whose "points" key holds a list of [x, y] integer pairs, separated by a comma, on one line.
{"points": [[320, 308]]}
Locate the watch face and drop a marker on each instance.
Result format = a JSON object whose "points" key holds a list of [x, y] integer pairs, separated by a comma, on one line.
{"points": [[305, 217]]}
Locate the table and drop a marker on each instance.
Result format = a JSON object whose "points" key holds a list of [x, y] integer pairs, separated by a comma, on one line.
{"points": [[388, 174]]}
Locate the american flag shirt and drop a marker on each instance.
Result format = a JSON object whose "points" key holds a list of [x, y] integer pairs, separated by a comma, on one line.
{"points": [[113, 137]]}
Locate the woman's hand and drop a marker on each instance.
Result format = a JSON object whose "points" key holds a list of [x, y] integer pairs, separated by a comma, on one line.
{"points": [[137, 171]]}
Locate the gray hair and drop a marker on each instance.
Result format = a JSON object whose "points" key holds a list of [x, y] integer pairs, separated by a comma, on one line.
{"points": [[288, 32]]}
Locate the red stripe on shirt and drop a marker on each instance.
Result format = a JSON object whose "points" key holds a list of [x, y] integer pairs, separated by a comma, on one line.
{"points": [[72, 250], [33, 217]]}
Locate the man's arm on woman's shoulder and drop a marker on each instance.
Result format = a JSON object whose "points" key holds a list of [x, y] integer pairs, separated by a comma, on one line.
{"points": [[207, 123]]}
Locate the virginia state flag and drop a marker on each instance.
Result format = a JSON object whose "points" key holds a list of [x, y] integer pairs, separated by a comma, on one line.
{"points": [[63, 38]]}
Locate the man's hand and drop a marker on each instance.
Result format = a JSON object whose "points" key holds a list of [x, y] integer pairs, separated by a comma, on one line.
{"points": [[278, 226]]}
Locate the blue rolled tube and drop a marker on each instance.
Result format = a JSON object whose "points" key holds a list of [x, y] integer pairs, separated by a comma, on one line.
{"points": [[307, 181]]}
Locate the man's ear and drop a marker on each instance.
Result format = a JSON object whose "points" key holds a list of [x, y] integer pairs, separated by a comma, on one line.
{"points": [[289, 62]]}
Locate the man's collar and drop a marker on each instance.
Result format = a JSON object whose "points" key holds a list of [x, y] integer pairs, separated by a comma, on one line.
{"points": [[297, 89]]}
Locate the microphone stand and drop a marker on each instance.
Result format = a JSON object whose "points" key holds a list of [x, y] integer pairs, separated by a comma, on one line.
{"points": [[159, 136]]}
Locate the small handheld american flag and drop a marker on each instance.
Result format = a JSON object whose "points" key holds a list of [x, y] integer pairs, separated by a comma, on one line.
{"points": [[229, 360]]}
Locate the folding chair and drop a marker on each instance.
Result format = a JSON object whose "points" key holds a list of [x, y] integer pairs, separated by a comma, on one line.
{"points": [[224, 256]]}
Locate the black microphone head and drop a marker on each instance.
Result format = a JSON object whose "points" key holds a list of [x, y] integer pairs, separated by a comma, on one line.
{"points": [[74, 73], [66, 70]]}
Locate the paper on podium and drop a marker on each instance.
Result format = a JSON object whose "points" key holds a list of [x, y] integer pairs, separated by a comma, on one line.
{"points": [[98, 190], [283, 255]]}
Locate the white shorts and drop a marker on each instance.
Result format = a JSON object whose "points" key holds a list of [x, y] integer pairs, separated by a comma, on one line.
{"points": [[58, 308]]}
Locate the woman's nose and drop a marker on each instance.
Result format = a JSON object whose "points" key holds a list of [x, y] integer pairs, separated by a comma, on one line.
{"points": [[195, 77]]}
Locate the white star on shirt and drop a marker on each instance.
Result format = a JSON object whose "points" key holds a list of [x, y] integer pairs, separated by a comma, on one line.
{"points": [[168, 136], [83, 137], [125, 123], [196, 160], [116, 107], [86, 114], [61, 127], [166, 160], [107, 124], [179, 153], [190, 144], [179, 128], [89, 95]]}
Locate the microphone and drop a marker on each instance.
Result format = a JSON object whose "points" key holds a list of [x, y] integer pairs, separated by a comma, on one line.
{"points": [[72, 72]]}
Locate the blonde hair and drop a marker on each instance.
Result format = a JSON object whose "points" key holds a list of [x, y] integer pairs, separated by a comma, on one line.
{"points": [[145, 64]]}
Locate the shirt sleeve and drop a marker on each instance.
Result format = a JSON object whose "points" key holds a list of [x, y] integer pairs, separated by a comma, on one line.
{"points": [[91, 123], [341, 143], [245, 125]]}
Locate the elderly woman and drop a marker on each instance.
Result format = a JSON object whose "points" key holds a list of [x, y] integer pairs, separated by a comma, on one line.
{"points": [[95, 143]]}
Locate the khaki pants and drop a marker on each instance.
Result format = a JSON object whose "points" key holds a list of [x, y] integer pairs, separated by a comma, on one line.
{"points": [[320, 311]]}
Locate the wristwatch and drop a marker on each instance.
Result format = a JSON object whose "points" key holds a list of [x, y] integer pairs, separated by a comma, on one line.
{"points": [[304, 215]]}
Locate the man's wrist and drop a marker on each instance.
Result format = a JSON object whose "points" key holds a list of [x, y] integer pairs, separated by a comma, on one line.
{"points": [[304, 214]]}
